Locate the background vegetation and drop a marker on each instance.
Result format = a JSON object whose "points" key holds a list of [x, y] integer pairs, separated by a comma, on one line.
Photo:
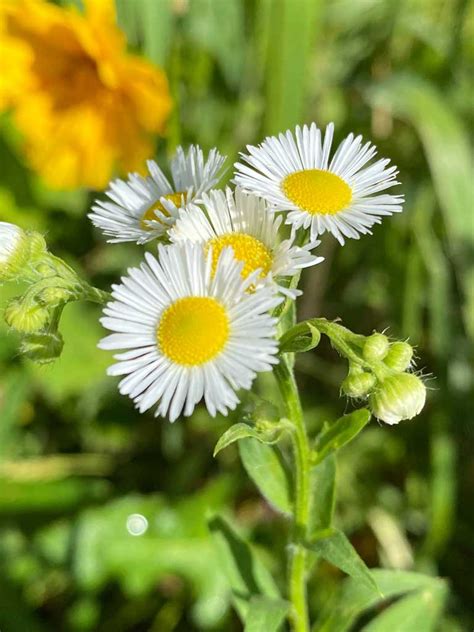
{"points": [[76, 460]]}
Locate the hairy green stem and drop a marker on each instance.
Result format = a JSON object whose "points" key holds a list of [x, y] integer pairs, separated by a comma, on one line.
{"points": [[297, 563]]}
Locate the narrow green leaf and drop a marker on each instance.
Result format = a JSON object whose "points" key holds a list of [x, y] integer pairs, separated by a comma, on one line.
{"points": [[265, 614], [245, 572], [269, 435], [355, 597], [156, 22], [420, 611], [300, 338], [445, 141], [333, 546], [265, 466], [340, 432], [322, 484], [294, 29]]}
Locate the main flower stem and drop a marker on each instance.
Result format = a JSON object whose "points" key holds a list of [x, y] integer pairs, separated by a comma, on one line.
{"points": [[297, 563]]}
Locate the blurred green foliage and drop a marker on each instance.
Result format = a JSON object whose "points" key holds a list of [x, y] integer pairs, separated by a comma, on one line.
{"points": [[77, 462]]}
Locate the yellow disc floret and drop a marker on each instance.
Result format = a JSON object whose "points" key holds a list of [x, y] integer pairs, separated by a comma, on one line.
{"points": [[246, 248], [318, 192], [149, 215], [193, 330]]}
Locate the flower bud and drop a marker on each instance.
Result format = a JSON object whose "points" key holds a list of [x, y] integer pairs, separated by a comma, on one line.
{"points": [[358, 385], [399, 356], [25, 317], [375, 347], [42, 348], [53, 296], [398, 397], [37, 245], [14, 251]]}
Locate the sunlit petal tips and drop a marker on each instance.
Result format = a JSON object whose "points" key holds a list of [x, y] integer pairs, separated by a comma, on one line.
{"points": [[144, 208], [343, 195], [189, 334], [242, 221]]}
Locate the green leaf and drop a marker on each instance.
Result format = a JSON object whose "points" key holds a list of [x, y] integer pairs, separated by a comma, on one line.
{"points": [[300, 338], [264, 464], [355, 597], [265, 614], [445, 141], [322, 498], [420, 612], [294, 29], [333, 546], [245, 572], [340, 432], [239, 431]]}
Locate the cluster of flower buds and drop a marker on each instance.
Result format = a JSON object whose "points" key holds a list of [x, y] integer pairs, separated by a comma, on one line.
{"points": [[51, 284], [380, 372]]}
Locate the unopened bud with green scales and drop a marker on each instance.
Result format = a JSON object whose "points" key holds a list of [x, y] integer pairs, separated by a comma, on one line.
{"points": [[399, 356], [14, 251], [26, 316], [358, 382], [17, 249], [375, 347], [42, 347], [398, 397]]}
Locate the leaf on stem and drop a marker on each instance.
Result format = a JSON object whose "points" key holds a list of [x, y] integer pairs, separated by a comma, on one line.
{"points": [[339, 433], [303, 337], [333, 546], [355, 598], [246, 574], [322, 494], [420, 611], [265, 466], [268, 435], [265, 614]]}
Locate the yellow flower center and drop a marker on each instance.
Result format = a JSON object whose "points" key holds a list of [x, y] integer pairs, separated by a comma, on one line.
{"points": [[149, 215], [246, 248], [318, 192], [193, 330]]}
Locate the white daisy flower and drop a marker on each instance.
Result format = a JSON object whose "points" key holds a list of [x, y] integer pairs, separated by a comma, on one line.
{"points": [[144, 208], [14, 250], [189, 334], [243, 222], [341, 196]]}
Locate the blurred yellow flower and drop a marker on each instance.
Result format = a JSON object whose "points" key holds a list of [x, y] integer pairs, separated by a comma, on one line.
{"points": [[85, 106]]}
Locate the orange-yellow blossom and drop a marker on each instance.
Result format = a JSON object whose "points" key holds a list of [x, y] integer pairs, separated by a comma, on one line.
{"points": [[85, 107]]}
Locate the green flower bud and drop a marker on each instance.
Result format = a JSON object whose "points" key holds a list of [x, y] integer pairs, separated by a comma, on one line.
{"points": [[399, 356], [14, 251], [53, 296], [24, 317], [37, 245], [398, 397], [358, 385], [42, 348], [375, 347]]}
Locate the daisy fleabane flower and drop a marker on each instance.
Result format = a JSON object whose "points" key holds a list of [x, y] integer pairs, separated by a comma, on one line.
{"points": [[243, 222], [342, 195], [189, 334], [144, 208]]}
